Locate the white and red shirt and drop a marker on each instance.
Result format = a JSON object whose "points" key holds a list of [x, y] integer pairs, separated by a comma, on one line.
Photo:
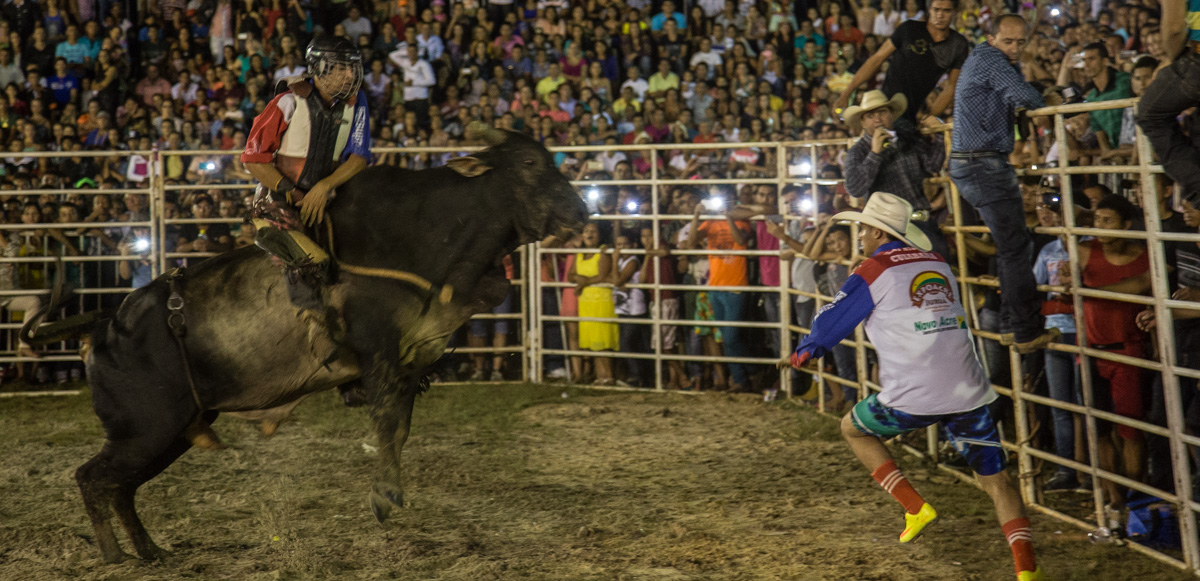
{"points": [[280, 134], [915, 319]]}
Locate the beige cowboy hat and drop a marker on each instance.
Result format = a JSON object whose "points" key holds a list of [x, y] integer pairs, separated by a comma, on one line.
{"points": [[873, 100], [892, 214]]}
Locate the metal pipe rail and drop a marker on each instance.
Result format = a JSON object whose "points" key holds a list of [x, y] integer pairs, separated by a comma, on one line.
{"points": [[533, 292]]}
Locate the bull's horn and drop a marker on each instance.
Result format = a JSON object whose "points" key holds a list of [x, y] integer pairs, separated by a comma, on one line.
{"points": [[480, 131]]}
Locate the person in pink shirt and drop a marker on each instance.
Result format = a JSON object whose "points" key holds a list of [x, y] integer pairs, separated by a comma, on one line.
{"points": [[765, 205]]}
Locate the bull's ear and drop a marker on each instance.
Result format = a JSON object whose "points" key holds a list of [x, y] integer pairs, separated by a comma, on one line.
{"points": [[469, 166]]}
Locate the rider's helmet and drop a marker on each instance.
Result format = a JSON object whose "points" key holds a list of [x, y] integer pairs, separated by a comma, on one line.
{"points": [[335, 66]]}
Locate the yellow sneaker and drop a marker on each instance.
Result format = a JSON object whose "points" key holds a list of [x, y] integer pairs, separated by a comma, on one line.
{"points": [[916, 523], [1035, 575]]}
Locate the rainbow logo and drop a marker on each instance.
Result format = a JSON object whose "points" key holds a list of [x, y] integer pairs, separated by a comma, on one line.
{"points": [[931, 289]]}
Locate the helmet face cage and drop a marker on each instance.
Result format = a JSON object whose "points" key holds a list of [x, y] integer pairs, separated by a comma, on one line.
{"points": [[338, 74]]}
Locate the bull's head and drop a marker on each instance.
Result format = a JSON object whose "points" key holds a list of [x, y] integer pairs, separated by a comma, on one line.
{"points": [[546, 200]]}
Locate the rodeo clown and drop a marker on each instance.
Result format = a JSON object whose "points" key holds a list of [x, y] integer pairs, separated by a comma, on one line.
{"points": [[927, 367], [311, 138]]}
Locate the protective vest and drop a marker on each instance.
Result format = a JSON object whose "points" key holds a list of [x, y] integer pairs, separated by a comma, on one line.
{"points": [[303, 137], [320, 132]]}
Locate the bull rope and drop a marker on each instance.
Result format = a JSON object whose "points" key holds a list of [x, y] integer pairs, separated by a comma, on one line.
{"points": [[178, 325], [416, 280]]}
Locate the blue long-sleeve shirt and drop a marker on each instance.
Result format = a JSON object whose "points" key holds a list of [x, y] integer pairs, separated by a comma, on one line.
{"points": [[837, 320], [989, 89]]}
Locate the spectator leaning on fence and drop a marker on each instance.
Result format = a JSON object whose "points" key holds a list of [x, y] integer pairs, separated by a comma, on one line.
{"points": [[831, 249], [725, 271], [1187, 344], [592, 268], [1104, 84], [892, 156], [1052, 263], [630, 305], [1121, 265], [1123, 150], [990, 88]]}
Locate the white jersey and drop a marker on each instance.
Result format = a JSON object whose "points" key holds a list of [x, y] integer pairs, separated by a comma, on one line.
{"points": [[915, 319]]}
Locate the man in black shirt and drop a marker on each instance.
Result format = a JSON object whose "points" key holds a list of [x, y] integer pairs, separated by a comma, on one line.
{"points": [[1171, 222], [920, 52], [1183, 260]]}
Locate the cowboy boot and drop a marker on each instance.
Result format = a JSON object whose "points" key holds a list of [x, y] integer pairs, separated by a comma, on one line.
{"points": [[297, 251]]}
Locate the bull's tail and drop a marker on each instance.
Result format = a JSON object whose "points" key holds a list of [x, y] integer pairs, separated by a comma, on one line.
{"points": [[36, 334], [72, 327]]}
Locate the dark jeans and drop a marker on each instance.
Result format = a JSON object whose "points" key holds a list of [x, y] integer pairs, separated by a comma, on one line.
{"points": [[771, 311], [996, 355], [1175, 89], [635, 338], [552, 330], [845, 358], [1062, 375], [693, 344], [990, 185], [727, 306]]}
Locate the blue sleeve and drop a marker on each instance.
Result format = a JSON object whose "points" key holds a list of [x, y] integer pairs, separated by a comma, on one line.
{"points": [[1013, 87], [835, 321], [359, 142]]}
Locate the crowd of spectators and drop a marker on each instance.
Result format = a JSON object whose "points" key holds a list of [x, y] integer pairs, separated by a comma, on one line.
{"points": [[182, 76]]}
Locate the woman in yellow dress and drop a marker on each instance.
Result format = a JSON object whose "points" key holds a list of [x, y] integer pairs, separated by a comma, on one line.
{"points": [[591, 269]]}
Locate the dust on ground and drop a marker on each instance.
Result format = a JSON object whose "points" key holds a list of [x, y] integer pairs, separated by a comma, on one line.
{"points": [[518, 482]]}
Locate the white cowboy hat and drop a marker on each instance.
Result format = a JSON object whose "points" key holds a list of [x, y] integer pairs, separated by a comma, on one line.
{"points": [[892, 214], [873, 100]]}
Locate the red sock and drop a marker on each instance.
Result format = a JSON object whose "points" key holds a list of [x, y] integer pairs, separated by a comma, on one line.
{"points": [[889, 477], [1020, 538]]}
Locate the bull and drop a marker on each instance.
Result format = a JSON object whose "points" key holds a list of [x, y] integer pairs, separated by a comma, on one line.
{"points": [[419, 253]]}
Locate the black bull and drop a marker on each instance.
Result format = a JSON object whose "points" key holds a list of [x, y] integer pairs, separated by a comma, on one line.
{"points": [[248, 350]]}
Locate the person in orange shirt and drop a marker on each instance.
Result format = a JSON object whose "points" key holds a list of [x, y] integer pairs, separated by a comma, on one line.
{"points": [[725, 271]]}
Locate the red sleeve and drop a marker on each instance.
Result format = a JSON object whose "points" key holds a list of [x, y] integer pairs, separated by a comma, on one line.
{"points": [[870, 269], [267, 133]]}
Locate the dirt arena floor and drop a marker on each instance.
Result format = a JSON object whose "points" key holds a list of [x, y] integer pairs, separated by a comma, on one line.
{"points": [[520, 482]]}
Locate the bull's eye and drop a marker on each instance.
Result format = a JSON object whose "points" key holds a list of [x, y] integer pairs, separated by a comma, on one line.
{"points": [[529, 162]]}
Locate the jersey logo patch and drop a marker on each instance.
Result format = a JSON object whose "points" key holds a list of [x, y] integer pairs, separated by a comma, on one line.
{"points": [[939, 324], [931, 290]]}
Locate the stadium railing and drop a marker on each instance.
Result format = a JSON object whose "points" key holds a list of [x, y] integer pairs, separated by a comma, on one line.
{"points": [[797, 164]]}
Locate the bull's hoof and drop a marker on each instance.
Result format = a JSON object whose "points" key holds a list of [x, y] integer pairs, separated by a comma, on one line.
{"points": [[154, 553], [353, 396], [384, 498], [202, 436], [115, 557]]}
